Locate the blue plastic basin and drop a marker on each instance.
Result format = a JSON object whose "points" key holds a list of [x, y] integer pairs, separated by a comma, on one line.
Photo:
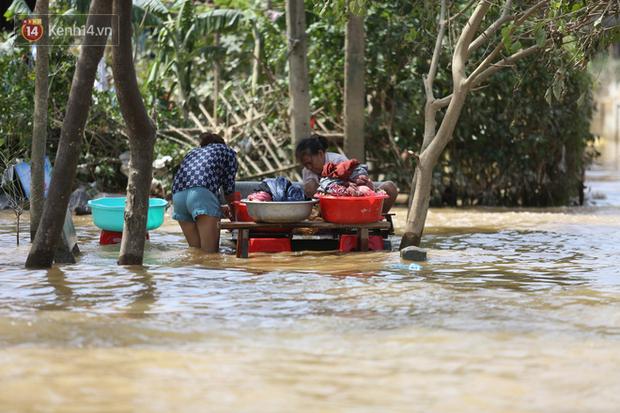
{"points": [[109, 213]]}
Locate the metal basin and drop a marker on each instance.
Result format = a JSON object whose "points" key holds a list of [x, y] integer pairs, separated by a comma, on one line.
{"points": [[279, 212]]}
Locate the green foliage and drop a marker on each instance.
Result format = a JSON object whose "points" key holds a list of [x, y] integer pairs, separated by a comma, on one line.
{"points": [[16, 97], [512, 147], [17, 8]]}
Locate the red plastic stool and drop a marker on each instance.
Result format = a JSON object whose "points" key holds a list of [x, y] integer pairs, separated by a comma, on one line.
{"points": [[111, 237], [350, 242], [270, 245]]}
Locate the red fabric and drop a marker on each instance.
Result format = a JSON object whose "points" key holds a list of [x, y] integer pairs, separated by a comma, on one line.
{"points": [[341, 170], [260, 196]]}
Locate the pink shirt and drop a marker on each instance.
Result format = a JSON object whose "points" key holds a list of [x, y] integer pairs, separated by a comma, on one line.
{"points": [[336, 158]]}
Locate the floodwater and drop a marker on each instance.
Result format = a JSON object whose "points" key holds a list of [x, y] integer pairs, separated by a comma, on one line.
{"points": [[515, 311]]}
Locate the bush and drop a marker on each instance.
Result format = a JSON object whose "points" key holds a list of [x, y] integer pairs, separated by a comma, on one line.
{"points": [[516, 144]]}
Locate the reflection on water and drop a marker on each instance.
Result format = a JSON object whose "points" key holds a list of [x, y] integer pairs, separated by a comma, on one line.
{"points": [[516, 310]]}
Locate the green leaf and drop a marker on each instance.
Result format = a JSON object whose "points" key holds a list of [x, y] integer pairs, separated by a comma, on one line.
{"points": [[151, 6], [17, 8], [357, 7], [549, 96], [581, 99], [541, 36], [558, 89], [218, 20], [506, 37], [185, 19]]}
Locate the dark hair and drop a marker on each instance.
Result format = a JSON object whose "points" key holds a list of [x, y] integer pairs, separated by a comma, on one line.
{"points": [[207, 138], [311, 145]]}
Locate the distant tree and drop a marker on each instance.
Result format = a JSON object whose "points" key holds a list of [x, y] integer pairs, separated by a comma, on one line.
{"points": [[298, 69], [354, 68]]}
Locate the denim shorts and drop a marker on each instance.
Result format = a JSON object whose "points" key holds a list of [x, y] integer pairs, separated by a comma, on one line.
{"points": [[190, 203]]}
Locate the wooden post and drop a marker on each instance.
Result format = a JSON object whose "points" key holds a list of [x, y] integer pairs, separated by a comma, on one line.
{"points": [[298, 70], [243, 247], [354, 71], [363, 239]]}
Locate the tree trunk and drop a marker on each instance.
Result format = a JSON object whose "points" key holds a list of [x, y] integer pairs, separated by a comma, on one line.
{"points": [[430, 129], [141, 132], [423, 177], [298, 70], [42, 252], [354, 71], [39, 128], [419, 206]]}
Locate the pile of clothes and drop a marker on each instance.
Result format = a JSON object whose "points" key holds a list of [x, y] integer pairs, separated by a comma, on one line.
{"points": [[278, 189], [349, 178]]}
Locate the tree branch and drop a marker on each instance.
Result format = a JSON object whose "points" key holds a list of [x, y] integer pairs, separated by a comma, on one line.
{"points": [[523, 17], [443, 102], [430, 123], [508, 61], [432, 72], [457, 15], [459, 59], [492, 29], [488, 61]]}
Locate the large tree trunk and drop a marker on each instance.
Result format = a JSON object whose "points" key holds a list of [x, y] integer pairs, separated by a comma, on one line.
{"points": [[416, 218], [42, 252], [39, 128], [354, 71], [141, 132], [298, 70]]}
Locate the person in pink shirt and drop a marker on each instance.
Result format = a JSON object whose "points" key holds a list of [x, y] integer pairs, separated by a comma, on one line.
{"points": [[312, 154]]}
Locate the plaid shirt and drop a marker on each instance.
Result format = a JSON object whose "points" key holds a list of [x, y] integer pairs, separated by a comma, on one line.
{"points": [[212, 166]]}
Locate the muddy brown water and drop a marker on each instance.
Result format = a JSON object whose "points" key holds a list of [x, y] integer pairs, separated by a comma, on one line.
{"points": [[515, 311]]}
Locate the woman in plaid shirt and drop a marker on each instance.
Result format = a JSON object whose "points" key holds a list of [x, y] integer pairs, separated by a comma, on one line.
{"points": [[203, 172]]}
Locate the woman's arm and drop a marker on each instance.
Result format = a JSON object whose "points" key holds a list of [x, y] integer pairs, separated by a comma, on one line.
{"points": [[310, 187]]}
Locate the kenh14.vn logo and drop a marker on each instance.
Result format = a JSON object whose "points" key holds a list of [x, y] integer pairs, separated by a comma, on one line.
{"points": [[32, 29]]}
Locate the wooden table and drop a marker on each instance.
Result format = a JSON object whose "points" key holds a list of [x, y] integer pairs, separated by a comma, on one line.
{"points": [[244, 228]]}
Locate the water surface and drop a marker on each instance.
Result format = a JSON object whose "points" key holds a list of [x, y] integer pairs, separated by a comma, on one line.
{"points": [[515, 311]]}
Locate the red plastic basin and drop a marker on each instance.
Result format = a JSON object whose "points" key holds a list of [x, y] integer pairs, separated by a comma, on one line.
{"points": [[352, 209], [240, 212]]}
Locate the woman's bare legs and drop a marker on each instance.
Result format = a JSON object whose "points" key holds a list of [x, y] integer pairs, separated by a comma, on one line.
{"points": [[209, 231], [190, 230], [203, 234]]}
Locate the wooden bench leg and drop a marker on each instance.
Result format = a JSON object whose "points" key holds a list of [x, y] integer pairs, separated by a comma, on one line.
{"points": [[363, 239], [243, 241]]}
